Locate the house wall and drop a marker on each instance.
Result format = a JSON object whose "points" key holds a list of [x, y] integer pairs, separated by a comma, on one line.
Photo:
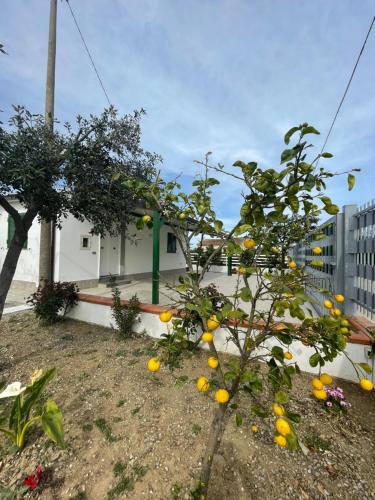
{"points": [[73, 263], [28, 263], [138, 252]]}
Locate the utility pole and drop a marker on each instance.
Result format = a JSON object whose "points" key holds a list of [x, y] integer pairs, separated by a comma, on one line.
{"points": [[45, 261]]}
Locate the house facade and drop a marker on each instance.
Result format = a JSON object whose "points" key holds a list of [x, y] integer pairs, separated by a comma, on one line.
{"points": [[84, 258]]}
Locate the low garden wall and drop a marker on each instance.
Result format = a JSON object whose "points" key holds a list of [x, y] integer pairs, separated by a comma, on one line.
{"points": [[97, 310]]}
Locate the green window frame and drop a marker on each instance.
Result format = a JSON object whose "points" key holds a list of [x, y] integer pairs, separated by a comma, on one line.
{"points": [[11, 231], [171, 243]]}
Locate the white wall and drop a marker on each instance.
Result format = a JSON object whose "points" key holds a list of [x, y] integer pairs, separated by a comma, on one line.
{"points": [[71, 262], [340, 367], [28, 263], [138, 256]]}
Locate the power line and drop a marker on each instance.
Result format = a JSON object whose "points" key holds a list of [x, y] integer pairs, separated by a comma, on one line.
{"points": [[88, 52], [347, 87]]}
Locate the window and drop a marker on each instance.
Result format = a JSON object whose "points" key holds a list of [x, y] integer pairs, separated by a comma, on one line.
{"points": [[11, 231], [85, 242], [171, 243]]}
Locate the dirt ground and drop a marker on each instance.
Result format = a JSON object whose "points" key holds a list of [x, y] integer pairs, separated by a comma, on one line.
{"points": [[131, 434]]}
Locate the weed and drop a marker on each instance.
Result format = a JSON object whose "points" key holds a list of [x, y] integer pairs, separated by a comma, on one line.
{"points": [[125, 315], [316, 444], [119, 468], [80, 496], [196, 429], [135, 410], [87, 427], [120, 403], [125, 484], [139, 470], [103, 426], [83, 376], [175, 491], [133, 362], [181, 381]]}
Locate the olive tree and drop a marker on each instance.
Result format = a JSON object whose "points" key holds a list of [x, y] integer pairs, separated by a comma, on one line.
{"points": [[69, 170]]}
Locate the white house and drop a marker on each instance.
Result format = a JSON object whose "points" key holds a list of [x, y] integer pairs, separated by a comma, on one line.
{"points": [[85, 258]]}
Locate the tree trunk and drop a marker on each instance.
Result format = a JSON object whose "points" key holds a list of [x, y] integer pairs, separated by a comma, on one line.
{"points": [[10, 264], [216, 433]]}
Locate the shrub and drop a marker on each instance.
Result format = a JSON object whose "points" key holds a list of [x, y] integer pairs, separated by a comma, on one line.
{"points": [[125, 315], [52, 300]]}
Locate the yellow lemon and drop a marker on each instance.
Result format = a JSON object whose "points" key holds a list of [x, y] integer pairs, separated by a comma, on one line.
{"points": [[335, 312], [292, 264], [254, 428], [344, 331], [327, 304], [207, 337], [288, 355], [278, 409], [249, 243], [213, 322], [280, 440], [344, 322], [319, 394], [212, 361], [317, 384], [339, 297], [242, 270], [283, 427], [366, 384], [182, 216], [325, 379], [222, 396], [203, 384], [146, 218], [153, 365], [165, 316], [317, 250]]}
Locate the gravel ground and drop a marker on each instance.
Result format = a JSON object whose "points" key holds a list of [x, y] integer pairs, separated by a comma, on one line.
{"points": [[134, 435]]}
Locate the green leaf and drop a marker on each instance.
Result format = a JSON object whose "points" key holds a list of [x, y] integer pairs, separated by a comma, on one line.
{"points": [[309, 130], [281, 397], [314, 359], [278, 353], [52, 422], [365, 367], [33, 392], [238, 420], [287, 155], [243, 228], [245, 294], [326, 155], [332, 209], [351, 181], [233, 406], [218, 226], [293, 202], [294, 417], [289, 134], [259, 411]]}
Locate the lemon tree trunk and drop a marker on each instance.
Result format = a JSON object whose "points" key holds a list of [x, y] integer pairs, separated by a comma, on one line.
{"points": [[214, 440]]}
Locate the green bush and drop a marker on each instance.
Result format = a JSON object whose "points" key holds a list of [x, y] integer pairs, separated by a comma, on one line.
{"points": [[125, 315], [52, 300]]}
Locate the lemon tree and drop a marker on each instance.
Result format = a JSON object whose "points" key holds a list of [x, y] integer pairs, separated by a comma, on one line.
{"points": [[280, 207]]}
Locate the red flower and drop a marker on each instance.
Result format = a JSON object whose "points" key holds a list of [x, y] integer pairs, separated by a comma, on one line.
{"points": [[33, 480]]}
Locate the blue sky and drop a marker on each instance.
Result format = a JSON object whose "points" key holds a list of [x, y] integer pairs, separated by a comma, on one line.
{"points": [[227, 76]]}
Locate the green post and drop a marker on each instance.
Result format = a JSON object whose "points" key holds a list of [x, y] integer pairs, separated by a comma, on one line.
{"points": [[155, 256], [229, 264]]}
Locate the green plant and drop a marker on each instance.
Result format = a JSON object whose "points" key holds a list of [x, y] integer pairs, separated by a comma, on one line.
{"points": [[52, 300], [105, 428], [280, 207], [175, 491], [119, 468], [26, 410], [125, 315], [317, 444]]}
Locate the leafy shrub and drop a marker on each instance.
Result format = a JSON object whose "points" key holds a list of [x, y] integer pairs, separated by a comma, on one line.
{"points": [[52, 300], [125, 315]]}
